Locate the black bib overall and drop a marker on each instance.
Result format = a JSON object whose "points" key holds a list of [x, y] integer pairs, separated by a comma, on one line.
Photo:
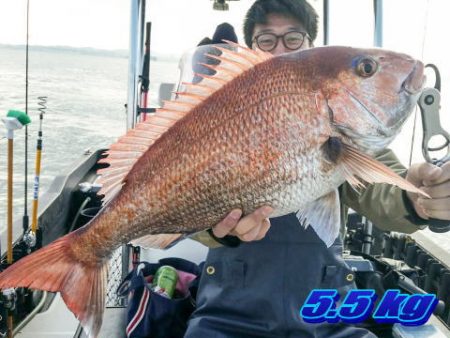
{"points": [[258, 288]]}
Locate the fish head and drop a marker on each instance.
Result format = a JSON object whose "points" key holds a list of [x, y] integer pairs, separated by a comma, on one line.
{"points": [[369, 93]]}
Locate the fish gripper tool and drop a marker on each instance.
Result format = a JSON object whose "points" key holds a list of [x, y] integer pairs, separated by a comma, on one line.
{"points": [[429, 104]]}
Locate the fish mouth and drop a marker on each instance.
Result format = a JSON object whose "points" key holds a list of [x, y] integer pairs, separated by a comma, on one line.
{"points": [[415, 81]]}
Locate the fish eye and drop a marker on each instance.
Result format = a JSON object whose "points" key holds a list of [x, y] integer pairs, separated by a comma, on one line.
{"points": [[366, 67]]}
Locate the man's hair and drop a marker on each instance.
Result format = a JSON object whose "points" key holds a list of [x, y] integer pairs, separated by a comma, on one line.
{"points": [[299, 10]]}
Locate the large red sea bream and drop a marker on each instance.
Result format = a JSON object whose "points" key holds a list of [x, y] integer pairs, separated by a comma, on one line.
{"points": [[282, 131]]}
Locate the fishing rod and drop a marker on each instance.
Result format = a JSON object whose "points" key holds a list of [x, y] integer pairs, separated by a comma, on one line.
{"points": [[14, 120], [25, 219], [31, 238]]}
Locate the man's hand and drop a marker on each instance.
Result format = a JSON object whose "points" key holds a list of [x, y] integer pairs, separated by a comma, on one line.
{"points": [[435, 181], [252, 227]]}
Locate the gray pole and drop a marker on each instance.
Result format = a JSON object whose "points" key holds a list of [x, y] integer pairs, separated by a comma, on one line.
{"points": [[326, 22], [135, 59], [378, 29]]}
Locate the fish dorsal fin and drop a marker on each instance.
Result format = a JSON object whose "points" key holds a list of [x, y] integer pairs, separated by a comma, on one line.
{"points": [[123, 154], [234, 61]]}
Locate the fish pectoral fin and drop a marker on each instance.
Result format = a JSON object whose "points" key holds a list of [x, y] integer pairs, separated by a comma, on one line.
{"points": [[160, 241], [357, 166], [324, 216]]}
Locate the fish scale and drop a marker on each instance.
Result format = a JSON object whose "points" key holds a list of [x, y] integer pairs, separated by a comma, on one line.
{"points": [[283, 131]]}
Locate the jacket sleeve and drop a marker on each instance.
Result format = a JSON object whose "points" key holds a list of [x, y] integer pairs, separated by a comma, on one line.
{"points": [[385, 205]]}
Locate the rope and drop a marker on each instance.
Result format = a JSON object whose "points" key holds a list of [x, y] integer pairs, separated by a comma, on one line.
{"points": [[425, 28]]}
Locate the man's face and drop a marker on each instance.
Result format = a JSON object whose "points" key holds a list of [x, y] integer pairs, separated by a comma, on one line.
{"points": [[279, 25]]}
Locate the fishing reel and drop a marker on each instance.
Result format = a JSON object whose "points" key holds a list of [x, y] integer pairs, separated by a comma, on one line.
{"points": [[9, 299], [429, 104], [30, 239]]}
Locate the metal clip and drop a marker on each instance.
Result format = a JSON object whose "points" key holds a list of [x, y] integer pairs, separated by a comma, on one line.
{"points": [[429, 104]]}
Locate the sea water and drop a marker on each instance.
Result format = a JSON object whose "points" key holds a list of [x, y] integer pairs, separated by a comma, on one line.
{"points": [[86, 96]]}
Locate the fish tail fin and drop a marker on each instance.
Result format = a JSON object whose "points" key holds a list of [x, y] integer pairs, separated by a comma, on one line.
{"points": [[55, 268]]}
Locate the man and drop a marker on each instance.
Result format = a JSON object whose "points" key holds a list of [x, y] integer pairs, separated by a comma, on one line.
{"points": [[257, 277]]}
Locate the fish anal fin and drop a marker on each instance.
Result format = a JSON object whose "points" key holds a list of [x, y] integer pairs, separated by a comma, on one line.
{"points": [[356, 165], [54, 268], [160, 241], [324, 216]]}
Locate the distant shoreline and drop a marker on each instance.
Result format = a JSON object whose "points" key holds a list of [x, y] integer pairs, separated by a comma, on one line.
{"points": [[119, 53]]}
